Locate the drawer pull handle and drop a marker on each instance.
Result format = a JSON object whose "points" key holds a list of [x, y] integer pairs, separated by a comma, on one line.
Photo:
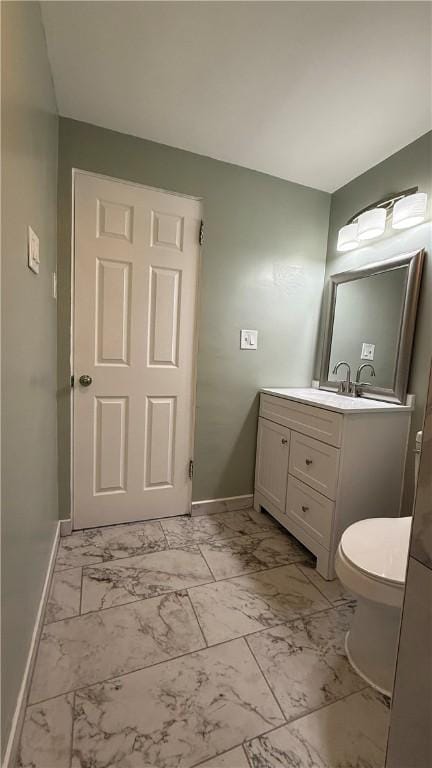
{"points": [[308, 462], [305, 509], [284, 441]]}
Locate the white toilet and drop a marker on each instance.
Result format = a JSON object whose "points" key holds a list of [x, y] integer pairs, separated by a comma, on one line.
{"points": [[371, 563]]}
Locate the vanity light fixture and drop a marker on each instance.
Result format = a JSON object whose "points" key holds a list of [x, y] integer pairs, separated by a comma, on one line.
{"points": [[371, 223], [347, 237], [409, 211], [408, 208]]}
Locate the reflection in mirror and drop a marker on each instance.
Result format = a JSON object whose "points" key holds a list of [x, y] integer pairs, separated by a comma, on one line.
{"points": [[370, 326], [366, 327]]}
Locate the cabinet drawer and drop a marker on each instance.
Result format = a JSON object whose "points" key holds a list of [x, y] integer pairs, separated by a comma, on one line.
{"points": [[310, 509], [315, 422], [315, 463]]}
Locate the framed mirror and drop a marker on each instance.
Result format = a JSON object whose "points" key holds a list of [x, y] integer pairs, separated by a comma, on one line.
{"points": [[370, 325]]}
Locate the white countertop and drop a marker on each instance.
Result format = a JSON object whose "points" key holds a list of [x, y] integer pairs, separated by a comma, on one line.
{"points": [[331, 401]]}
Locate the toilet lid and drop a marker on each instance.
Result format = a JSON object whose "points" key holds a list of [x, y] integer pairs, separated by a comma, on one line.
{"points": [[379, 547]]}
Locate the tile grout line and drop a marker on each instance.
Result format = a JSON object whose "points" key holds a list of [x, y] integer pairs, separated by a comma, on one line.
{"points": [[260, 569], [81, 593], [110, 560], [248, 762], [176, 589], [72, 730], [266, 680], [214, 538], [180, 656], [312, 583], [225, 752], [206, 645], [313, 709], [207, 563], [306, 714]]}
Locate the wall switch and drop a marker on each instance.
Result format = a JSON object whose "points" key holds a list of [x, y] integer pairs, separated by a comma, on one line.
{"points": [[33, 251], [248, 339], [368, 351]]}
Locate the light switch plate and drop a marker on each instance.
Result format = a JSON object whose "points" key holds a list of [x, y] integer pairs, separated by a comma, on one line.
{"points": [[368, 351], [33, 251], [248, 339]]}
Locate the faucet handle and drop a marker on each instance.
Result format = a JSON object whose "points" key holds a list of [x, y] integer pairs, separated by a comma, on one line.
{"points": [[358, 386]]}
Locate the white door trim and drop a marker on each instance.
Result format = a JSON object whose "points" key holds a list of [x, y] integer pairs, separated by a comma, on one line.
{"points": [[81, 172]]}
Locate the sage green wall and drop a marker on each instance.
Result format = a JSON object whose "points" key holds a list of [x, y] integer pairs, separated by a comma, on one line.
{"points": [[410, 167], [263, 267], [29, 441]]}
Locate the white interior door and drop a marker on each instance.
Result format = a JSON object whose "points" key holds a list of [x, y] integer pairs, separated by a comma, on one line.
{"points": [[136, 273]]}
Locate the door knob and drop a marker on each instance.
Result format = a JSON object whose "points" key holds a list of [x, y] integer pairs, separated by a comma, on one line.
{"points": [[308, 462], [284, 441], [85, 380]]}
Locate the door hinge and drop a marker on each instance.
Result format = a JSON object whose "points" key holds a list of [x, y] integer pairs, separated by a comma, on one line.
{"points": [[191, 469], [72, 380], [201, 233]]}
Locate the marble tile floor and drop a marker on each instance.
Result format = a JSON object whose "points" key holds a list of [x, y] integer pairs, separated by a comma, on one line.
{"points": [[205, 642]]}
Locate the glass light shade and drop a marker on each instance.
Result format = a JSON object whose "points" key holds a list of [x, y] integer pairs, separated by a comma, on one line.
{"points": [[347, 237], [371, 223], [409, 211]]}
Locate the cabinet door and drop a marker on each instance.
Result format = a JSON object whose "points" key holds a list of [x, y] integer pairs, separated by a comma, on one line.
{"points": [[271, 472]]}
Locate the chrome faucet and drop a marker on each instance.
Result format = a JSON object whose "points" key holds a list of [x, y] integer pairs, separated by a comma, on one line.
{"points": [[360, 369], [357, 386], [345, 387]]}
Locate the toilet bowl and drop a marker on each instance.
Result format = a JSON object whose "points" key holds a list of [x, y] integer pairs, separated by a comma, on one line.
{"points": [[371, 562]]}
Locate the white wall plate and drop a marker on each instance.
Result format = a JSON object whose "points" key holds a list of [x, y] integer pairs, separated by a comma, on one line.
{"points": [[33, 251], [248, 339]]}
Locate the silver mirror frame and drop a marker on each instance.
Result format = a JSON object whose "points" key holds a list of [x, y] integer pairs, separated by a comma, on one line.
{"points": [[414, 262]]}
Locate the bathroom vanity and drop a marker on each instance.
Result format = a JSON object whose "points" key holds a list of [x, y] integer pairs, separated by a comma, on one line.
{"points": [[325, 461]]}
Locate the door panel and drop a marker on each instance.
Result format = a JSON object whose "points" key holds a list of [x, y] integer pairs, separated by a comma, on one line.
{"points": [[164, 322], [110, 440], [160, 442], [113, 292], [271, 471], [136, 270]]}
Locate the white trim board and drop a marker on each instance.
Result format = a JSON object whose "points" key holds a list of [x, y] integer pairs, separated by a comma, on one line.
{"points": [[228, 504], [11, 753], [66, 527]]}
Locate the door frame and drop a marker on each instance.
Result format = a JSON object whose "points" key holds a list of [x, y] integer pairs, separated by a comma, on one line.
{"points": [[80, 172]]}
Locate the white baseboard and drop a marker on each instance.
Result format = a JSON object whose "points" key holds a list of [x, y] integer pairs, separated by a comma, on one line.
{"points": [[229, 504], [11, 753]]}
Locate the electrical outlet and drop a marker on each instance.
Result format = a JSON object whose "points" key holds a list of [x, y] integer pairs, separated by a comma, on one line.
{"points": [[368, 351]]}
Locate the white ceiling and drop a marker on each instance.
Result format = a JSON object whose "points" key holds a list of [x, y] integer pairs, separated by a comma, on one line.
{"points": [[314, 92]]}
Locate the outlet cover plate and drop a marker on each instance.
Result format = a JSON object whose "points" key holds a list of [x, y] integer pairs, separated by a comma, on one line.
{"points": [[368, 351]]}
